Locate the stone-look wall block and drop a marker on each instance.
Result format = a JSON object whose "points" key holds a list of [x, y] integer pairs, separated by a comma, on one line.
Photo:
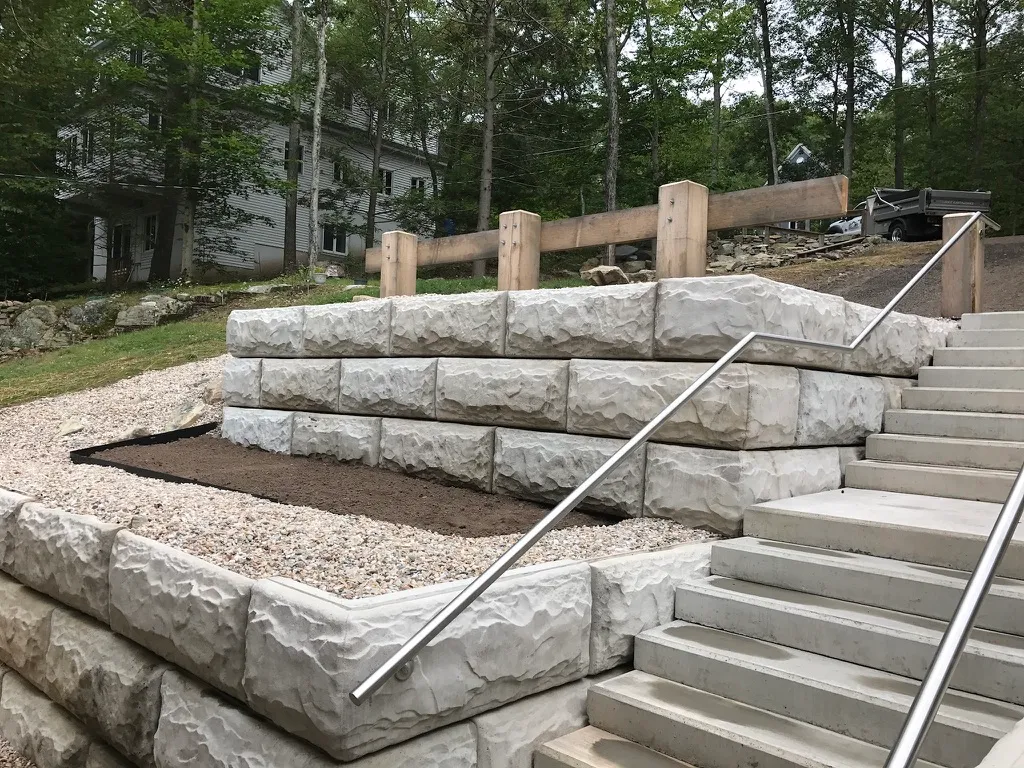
{"points": [[102, 756], [461, 325], [242, 381], [707, 488], [188, 611], [266, 332], [507, 737], [359, 329], [346, 438], [306, 650], [900, 346], [746, 406], [512, 393], [24, 628], [10, 503], [451, 453], [107, 682], [304, 385], [269, 430], [616, 321], [702, 319], [39, 729], [65, 556], [400, 387], [839, 409], [545, 466], [636, 592]]}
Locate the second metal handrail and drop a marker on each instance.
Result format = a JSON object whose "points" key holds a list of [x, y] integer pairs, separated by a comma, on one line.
{"points": [[446, 615]]}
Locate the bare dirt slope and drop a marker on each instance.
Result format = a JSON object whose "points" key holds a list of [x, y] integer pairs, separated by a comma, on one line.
{"points": [[874, 278]]}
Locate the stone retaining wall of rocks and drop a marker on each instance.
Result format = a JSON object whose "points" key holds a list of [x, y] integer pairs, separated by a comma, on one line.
{"points": [[119, 650]]}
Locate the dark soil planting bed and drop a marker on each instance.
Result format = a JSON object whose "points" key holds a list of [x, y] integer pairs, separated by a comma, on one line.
{"points": [[327, 484]]}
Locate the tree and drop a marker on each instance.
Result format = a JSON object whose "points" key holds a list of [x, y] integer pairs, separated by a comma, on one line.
{"points": [[323, 18], [293, 159], [767, 65]]}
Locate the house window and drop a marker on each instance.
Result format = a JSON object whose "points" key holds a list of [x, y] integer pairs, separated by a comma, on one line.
{"points": [[346, 100], [150, 230], [287, 155], [71, 153], [335, 240], [137, 57], [391, 111], [339, 172], [418, 184], [385, 178], [156, 120], [250, 72], [88, 146]]}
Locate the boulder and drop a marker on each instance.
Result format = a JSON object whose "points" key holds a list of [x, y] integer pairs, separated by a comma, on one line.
{"points": [[241, 385], [266, 332], [401, 387], [39, 327], [151, 311], [306, 385], [269, 430], [460, 325], [348, 330], [605, 275], [518, 393], [92, 316], [345, 438], [450, 453]]}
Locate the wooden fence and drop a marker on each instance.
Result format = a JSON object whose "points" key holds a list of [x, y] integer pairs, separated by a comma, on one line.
{"points": [[680, 221]]}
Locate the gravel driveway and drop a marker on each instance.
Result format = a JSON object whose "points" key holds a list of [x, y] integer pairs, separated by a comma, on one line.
{"points": [[349, 555]]}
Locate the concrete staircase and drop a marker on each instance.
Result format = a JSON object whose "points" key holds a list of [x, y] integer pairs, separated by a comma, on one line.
{"points": [[806, 644]]}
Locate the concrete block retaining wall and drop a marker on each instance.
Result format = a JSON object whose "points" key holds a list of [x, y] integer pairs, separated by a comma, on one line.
{"points": [[193, 664]]}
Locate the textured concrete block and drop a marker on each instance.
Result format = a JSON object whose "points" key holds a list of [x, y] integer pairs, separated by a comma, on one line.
{"points": [[900, 346], [839, 408], [24, 628], [102, 756], [513, 393], [400, 387], [507, 737], [702, 318], [361, 329], [307, 650], [450, 453], [546, 466], [461, 325], [39, 729], [188, 611], [636, 592], [269, 430], [10, 503], [242, 381], [107, 682], [65, 556], [615, 321], [304, 385], [346, 438], [707, 488], [747, 406], [266, 332]]}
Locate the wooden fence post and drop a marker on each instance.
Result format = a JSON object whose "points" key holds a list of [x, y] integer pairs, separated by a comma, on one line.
{"points": [[398, 264], [518, 251], [682, 230], [963, 268]]}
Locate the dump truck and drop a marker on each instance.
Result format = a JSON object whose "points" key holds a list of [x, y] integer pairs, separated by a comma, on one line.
{"points": [[916, 214]]}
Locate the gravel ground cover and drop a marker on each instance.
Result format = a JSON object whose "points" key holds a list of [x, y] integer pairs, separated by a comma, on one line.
{"points": [[352, 556], [11, 759]]}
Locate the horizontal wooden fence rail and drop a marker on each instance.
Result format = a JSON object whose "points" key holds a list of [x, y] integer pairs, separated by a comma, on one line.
{"points": [[685, 213]]}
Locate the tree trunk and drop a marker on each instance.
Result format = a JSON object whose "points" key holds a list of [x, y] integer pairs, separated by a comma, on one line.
{"points": [[851, 94], [899, 129], [318, 110], [981, 14], [188, 237], [483, 215], [655, 85], [611, 77], [933, 99], [716, 128], [291, 200], [768, 74], [378, 136]]}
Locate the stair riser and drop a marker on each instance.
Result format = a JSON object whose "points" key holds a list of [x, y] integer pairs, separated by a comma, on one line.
{"points": [[979, 357], [1006, 456], [891, 651], [882, 590], [868, 720], [986, 339], [993, 321], [905, 478], [1009, 401], [918, 545], [965, 425], [972, 378]]}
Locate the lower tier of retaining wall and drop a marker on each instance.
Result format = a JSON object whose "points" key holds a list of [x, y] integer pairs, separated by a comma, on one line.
{"points": [[115, 628], [699, 487]]}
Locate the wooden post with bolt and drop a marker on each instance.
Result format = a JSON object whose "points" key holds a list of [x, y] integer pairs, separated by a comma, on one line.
{"points": [[518, 251], [682, 230], [398, 264], [963, 268]]}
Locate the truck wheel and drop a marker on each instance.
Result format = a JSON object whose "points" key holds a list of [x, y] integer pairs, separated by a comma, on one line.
{"points": [[898, 232]]}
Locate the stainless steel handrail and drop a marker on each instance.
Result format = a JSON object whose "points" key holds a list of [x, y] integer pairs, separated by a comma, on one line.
{"points": [[929, 695], [446, 615]]}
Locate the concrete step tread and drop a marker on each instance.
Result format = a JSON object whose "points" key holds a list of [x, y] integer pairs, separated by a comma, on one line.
{"points": [[930, 468], [992, 321], [969, 711], [952, 482], [973, 357], [592, 747], [946, 423], [981, 376], [1005, 455], [985, 338], [788, 741], [959, 399]]}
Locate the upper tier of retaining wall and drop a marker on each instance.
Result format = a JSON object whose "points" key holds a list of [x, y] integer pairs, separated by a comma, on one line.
{"points": [[680, 319]]}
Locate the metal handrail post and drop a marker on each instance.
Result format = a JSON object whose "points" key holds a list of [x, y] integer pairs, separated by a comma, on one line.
{"points": [[446, 615], [929, 695]]}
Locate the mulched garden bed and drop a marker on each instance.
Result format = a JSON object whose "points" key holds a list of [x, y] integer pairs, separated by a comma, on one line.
{"points": [[333, 486]]}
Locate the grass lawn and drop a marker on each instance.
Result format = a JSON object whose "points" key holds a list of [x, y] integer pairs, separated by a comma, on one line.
{"points": [[103, 361]]}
